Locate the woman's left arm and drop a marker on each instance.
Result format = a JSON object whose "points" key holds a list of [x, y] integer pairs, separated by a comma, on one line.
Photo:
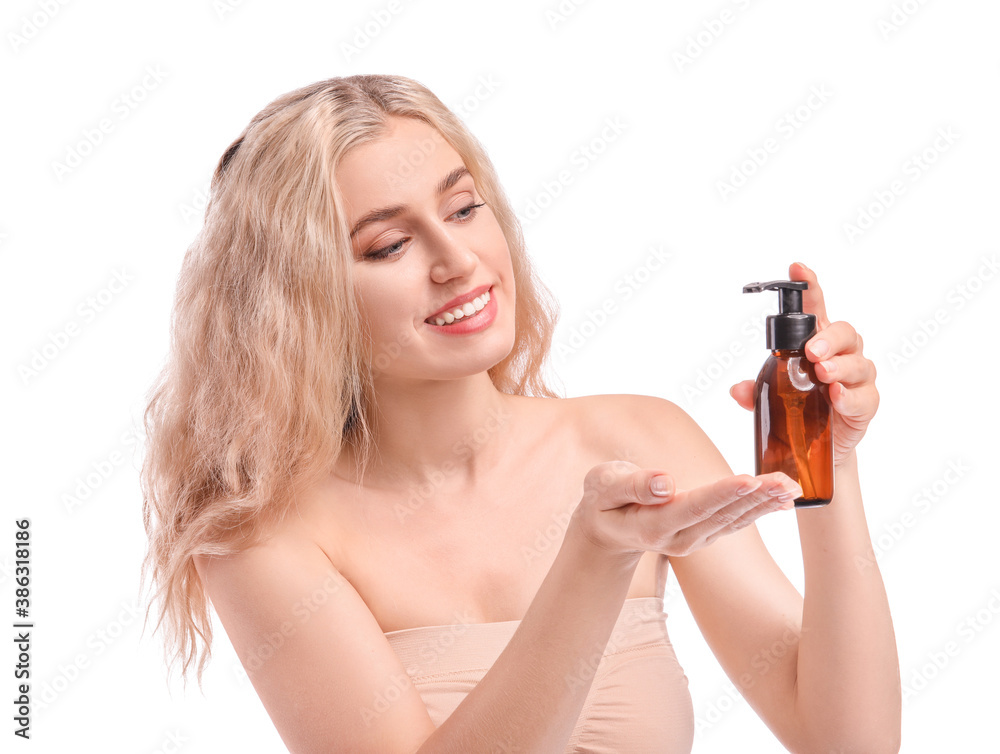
{"points": [[822, 671], [847, 669], [847, 662]]}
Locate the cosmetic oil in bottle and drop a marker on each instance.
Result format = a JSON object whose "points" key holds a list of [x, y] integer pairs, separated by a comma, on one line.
{"points": [[792, 413]]}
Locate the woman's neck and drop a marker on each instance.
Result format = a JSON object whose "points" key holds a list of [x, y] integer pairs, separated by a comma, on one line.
{"points": [[447, 433]]}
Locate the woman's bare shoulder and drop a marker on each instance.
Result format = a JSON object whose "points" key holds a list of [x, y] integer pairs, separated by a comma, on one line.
{"points": [[605, 409], [629, 424]]}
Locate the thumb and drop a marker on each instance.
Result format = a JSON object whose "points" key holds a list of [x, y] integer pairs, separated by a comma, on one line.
{"points": [[742, 393], [642, 486], [661, 484]]}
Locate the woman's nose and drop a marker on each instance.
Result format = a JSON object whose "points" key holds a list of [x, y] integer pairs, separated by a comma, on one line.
{"points": [[450, 255]]}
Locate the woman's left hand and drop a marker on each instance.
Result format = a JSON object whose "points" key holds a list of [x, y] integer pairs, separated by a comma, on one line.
{"points": [[835, 350]]}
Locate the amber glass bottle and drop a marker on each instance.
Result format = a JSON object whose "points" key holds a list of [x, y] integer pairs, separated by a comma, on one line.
{"points": [[792, 413]]}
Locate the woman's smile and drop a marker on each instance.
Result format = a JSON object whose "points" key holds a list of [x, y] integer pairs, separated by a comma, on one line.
{"points": [[470, 317]]}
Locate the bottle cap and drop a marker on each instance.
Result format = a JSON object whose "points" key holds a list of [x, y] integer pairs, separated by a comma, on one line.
{"points": [[790, 328]]}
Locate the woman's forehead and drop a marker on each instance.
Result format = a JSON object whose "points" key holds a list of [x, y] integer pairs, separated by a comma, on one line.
{"points": [[411, 160], [404, 147]]}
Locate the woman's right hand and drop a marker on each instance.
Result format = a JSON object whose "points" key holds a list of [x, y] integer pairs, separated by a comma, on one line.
{"points": [[620, 512]]}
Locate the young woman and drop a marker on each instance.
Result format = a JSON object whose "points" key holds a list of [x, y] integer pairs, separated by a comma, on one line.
{"points": [[411, 541]]}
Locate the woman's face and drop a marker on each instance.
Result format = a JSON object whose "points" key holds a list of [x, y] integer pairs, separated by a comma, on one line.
{"points": [[418, 244]]}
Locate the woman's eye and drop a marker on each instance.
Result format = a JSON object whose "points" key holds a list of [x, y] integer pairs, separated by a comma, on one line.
{"points": [[395, 248], [384, 251], [472, 209]]}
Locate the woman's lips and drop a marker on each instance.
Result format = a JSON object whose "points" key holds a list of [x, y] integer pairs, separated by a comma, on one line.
{"points": [[450, 310], [459, 302], [472, 323]]}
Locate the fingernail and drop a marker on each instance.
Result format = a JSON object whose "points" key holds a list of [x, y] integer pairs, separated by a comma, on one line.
{"points": [[660, 485], [747, 488], [819, 348], [830, 366], [802, 266]]}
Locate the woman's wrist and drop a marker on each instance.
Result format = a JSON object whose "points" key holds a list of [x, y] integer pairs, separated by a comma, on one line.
{"points": [[848, 462], [592, 551]]}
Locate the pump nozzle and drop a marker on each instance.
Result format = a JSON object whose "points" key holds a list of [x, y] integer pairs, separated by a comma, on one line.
{"points": [[790, 328], [790, 301]]}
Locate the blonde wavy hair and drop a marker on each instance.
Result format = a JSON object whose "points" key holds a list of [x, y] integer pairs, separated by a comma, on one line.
{"points": [[268, 375]]}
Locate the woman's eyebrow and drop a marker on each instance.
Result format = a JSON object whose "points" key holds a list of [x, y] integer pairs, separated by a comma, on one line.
{"points": [[386, 213]]}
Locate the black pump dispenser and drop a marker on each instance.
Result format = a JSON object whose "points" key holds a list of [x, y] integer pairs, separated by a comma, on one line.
{"points": [[790, 329]]}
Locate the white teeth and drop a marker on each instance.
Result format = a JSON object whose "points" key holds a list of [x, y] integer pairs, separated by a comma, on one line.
{"points": [[465, 310]]}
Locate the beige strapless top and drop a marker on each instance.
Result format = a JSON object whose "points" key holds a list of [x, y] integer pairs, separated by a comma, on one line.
{"points": [[639, 700]]}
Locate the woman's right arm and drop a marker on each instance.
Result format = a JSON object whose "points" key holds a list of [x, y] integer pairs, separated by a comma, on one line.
{"points": [[323, 668], [531, 699]]}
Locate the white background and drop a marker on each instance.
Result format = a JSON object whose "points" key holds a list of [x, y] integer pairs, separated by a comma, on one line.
{"points": [[537, 84]]}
